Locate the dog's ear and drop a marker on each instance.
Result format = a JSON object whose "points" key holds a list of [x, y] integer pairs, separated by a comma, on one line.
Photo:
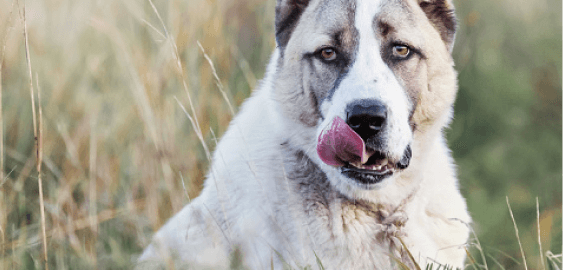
{"points": [[288, 13], [441, 14]]}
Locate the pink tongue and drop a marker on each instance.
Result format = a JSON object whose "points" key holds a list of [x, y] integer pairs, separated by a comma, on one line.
{"points": [[338, 143]]}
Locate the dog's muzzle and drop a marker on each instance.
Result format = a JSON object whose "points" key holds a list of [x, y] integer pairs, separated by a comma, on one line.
{"points": [[354, 145]]}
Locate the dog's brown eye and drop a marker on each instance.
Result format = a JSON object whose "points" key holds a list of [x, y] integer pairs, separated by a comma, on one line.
{"points": [[401, 51], [328, 54]]}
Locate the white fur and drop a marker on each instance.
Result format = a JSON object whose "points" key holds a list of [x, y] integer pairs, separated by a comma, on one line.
{"points": [[248, 202], [369, 78]]}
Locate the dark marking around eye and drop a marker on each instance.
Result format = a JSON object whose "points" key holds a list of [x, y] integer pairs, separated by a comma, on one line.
{"points": [[384, 28], [392, 52], [339, 79]]}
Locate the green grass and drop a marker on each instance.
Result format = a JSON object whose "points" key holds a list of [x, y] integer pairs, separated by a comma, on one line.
{"points": [[120, 156]]}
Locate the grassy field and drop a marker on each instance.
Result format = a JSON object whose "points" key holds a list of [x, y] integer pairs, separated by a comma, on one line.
{"points": [[120, 156]]}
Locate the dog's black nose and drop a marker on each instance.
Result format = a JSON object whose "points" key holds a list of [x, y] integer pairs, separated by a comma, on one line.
{"points": [[366, 117]]}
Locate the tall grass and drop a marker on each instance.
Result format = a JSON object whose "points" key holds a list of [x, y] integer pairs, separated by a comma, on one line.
{"points": [[133, 93]]}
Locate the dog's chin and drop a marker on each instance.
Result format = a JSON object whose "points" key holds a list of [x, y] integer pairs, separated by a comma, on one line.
{"points": [[376, 172], [353, 187], [366, 177]]}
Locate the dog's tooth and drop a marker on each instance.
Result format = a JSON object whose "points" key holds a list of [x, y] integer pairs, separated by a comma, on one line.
{"points": [[356, 164], [365, 156]]}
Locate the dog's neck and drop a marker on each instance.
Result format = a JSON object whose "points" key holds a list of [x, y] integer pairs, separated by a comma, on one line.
{"points": [[321, 201], [312, 185]]}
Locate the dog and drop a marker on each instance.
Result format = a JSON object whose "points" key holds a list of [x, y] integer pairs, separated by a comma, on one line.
{"points": [[338, 160]]}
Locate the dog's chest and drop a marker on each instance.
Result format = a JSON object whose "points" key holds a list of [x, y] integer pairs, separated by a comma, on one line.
{"points": [[353, 234], [342, 233]]}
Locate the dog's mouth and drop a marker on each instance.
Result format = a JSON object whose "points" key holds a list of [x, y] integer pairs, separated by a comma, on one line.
{"points": [[377, 162], [338, 145], [377, 168]]}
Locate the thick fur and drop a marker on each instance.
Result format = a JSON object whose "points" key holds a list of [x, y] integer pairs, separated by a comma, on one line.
{"points": [[268, 194]]}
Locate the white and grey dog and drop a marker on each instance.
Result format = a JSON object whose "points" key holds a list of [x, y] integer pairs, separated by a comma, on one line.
{"points": [[339, 157]]}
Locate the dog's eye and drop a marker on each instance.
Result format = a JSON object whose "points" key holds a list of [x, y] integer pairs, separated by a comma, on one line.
{"points": [[328, 54], [401, 51]]}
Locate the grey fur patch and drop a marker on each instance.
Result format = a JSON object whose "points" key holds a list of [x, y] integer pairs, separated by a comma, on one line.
{"points": [[441, 14], [288, 13], [305, 80]]}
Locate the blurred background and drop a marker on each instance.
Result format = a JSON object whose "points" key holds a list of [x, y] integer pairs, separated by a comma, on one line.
{"points": [[120, 156]]}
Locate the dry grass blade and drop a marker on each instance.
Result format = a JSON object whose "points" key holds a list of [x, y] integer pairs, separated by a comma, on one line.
{"points": [[478, 243], [506, 255], [517, 235], [159, 18], [37, 132], [539, 233], [185, 190], [178, 64], [4, 40], [217, 81], [244, 67], [319, 263], [473, 262], [556, 260], [40, 129], [496, 262], [153, 28], [480, 248], [402, 265], [92, 186], [197, 130], [28, 58], [39, 179], [411, 257], [6, 177]]}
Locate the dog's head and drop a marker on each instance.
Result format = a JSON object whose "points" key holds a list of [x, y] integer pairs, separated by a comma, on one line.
{"points": [[365, 79]]}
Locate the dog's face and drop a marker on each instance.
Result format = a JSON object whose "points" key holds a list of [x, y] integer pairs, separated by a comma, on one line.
{"points": [[366, 79]]}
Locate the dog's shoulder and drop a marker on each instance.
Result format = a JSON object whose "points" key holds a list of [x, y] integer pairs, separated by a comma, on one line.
{"points": [[193, 235]]}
